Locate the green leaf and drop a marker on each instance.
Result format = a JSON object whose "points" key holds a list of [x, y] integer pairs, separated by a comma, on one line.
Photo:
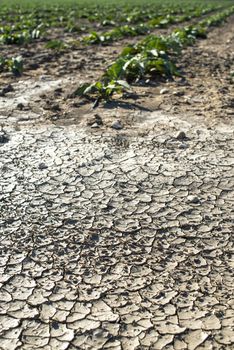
{"points": [[114, 72], [81, 89], [98, 85], [124, 84]]}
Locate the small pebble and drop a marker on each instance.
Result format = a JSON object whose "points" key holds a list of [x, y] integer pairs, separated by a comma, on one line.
{"points": [[117, 125], [95, 121], [20, 106], [193, 199], [164, 91], [45, 77], [55, 117], [42, 166], [178, 93], [181, 136], [55, 108], [95, 126], [98, 119], [3, 137], [6, 89]]}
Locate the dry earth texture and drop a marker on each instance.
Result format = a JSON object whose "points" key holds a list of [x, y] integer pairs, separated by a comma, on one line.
{"points": [[116, 223]]}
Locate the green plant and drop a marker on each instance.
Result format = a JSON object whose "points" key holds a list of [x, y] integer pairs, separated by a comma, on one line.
{"points": [[2, 63], [14, 65], [56, 45], [102, 90], [19, 38]]}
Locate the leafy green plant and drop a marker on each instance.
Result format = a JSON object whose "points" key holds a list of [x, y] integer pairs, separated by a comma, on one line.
{"points": [[187, 36], [140, 65], [56, 45], [14, 65], [102, 90], [95, 38], [19, 38], [72, 27]]}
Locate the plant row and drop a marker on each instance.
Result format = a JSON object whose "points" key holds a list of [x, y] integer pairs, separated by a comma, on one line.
{"points": [[154, 56], [143, 28], [24, 27], [127, 30], [102, 15]]}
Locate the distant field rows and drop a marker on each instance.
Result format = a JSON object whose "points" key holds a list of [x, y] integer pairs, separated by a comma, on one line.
{"points": [[26, 31], [63, 27]]}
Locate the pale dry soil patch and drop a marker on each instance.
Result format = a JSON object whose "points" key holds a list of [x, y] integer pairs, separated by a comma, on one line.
{"points": [[120, 239]]}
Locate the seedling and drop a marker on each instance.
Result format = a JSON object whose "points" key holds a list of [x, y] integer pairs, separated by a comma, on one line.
{"points": [[14, 65], [56, 45]]}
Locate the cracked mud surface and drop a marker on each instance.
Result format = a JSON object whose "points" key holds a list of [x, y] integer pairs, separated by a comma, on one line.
{"points": [[120, 239]]}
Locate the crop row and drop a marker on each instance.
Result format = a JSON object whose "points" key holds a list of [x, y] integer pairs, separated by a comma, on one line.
{"points": [[128, 30], [104, 16], [151, 57], [15, 64], [26, 28], [69, 19], [143, 28], [10, 35]]}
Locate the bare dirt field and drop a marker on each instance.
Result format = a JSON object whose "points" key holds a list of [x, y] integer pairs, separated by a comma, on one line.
{"points": [[117, 223]]}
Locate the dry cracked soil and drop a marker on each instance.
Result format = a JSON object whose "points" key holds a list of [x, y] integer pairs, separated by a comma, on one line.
{"points": [[119, 239]]}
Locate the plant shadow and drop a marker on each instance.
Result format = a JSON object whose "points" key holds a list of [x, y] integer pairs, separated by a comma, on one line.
{"points": [[125, 105]]}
